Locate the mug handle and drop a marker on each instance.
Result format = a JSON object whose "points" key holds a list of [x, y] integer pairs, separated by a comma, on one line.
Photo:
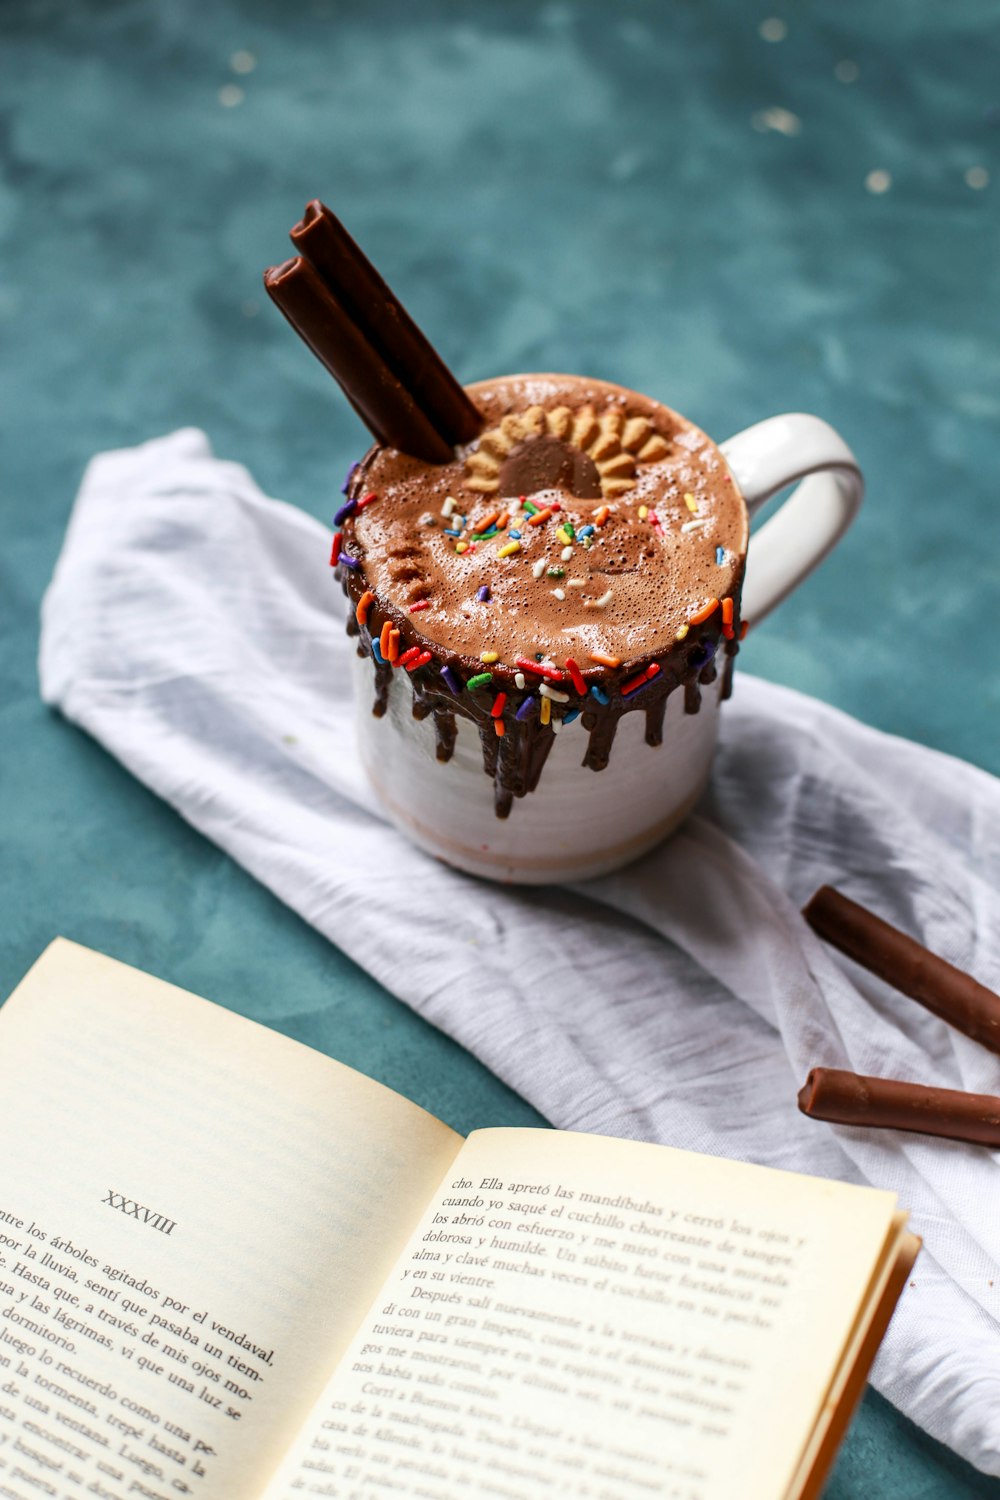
{"points": [[763, 459]]}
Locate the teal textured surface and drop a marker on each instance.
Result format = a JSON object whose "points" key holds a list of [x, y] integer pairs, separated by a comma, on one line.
{"points": [[657, 194]]}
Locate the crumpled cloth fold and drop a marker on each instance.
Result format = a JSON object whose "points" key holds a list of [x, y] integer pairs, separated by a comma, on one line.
{"points": [[192, 627]]}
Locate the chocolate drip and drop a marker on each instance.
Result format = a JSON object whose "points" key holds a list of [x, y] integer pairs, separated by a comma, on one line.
{"points": [[602, 737], [383, 677], [692, 696], [708, 674], [655, 710], [421, 706], [732, 647], [491, 747], [352, 627], [445, 732]]}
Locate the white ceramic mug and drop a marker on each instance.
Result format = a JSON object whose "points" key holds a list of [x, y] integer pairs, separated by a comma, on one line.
{"points": [[578, 823]]}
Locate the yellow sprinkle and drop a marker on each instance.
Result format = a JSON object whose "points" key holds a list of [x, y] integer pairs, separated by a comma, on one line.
{"points": [[545, 710], [681, 633], [564, 535], [643, 512], [489, 656], [461, 546], [509, 549], [691, 504]]}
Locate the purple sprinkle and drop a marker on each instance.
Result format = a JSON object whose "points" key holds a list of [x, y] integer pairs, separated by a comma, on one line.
{"points": [[483, 594], [344, 511], [350, 475], [451, 681], [527, 708], [348, 560]]}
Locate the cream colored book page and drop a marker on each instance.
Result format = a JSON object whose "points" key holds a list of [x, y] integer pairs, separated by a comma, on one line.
{"points": [[194, 1214], [576, 1314]]}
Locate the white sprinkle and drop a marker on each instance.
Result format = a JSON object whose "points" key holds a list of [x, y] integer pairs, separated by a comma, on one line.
{"points": [[878, 182], [519, 680], [576, 583], [776, 118], [426, 519], [555, 725], [602, 601], [566, 554], [559, 593], [553, 693], [977, 177], [230, 95], [847, 71], [694, 525], [773, 29], [448, 506], [242, 61], [539, 567]]}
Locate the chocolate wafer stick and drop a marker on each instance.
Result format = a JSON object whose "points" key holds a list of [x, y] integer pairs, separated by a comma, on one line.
{"points": [[853, 1099], [350, 276], [934, 983], [373, 389]]}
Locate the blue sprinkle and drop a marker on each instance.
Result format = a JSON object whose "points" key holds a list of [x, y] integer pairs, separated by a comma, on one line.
{"points": [[527, 708], [595, 692], [350, 475], [515, 534], [450, 531], [483, 594], [720, 556], [348, 560], [377, 653], [584, 531], [574, 713], [482, 536], [344, 511], [451, 681]]}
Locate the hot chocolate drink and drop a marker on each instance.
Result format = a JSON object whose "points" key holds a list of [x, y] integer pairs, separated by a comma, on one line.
{"points": [[582, 557]]}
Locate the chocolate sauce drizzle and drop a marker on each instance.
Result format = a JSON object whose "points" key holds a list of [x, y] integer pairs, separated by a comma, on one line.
{"points": [[514, 760]]}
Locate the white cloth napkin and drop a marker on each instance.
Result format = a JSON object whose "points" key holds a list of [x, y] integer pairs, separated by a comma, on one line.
{"points": [[193, 628]]}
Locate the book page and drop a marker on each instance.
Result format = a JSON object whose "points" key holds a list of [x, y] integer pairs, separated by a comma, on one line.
{"points": [[576, 1314], [194, 1214]]}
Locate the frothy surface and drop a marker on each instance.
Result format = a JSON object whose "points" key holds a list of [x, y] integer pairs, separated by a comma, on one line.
{"points": [[670, 527]]}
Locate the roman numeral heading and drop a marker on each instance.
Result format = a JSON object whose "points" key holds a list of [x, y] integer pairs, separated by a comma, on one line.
{"points": [[137, 1211]]}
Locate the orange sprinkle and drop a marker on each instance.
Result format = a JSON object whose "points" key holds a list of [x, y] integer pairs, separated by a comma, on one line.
{"points": [[383, 641], [393, 651], [486, 522], [364, 605], [744, 627], [602, 515], [539, 517], [705, 613], [500, 727], [502, 520], [727, 611], [605, 661]]}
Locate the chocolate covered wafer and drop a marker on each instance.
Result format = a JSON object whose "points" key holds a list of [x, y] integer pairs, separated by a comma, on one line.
{"points": [[934, 983], [347, 272], [846, 1098], [385, 406]]}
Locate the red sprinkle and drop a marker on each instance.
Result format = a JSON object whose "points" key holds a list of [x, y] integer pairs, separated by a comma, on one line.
{"points": [[421, 660], [420, 604], [338, 542], [408, 656], [577, 675], [555, 505], [366, 501], [552, 673], [641, 677], [498, 705]]}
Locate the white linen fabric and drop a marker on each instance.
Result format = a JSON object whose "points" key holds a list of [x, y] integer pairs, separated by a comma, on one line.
{"points": [[193, 628]]}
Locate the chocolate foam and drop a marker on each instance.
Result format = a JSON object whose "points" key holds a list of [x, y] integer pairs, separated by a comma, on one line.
{"points": [[596, 455]]}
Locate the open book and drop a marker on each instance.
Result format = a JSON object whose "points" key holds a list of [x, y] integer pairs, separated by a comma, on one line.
{"points": [[234, 1269]]}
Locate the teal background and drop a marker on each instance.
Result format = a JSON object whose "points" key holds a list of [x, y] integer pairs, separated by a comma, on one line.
{"points": [[585, 187]]}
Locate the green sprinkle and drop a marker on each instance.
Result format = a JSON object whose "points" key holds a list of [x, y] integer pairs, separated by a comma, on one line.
{"points": [[530, 507], [556, 572], [480, 680]]}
